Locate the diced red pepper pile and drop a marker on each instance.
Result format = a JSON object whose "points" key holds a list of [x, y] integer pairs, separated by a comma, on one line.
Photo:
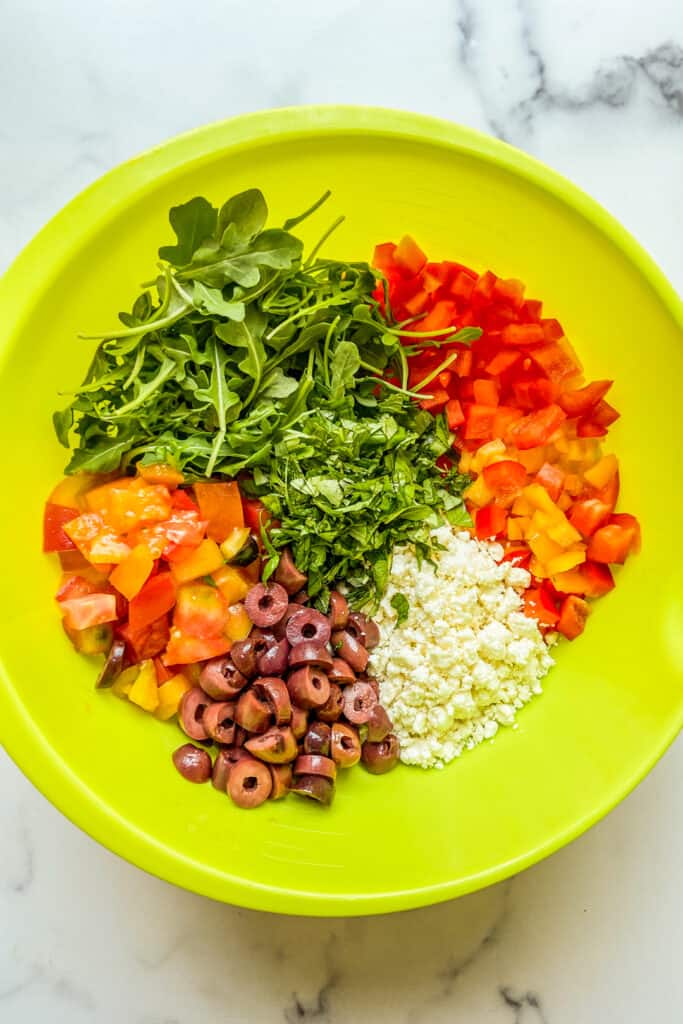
{"points": [[527, 426], [145, 561]]}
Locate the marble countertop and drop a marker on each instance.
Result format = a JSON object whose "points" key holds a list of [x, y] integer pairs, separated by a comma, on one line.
{"points": [[594, 933]]}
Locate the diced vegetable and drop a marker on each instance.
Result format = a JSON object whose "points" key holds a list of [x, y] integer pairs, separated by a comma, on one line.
{"points": [[573, 615], [89, 610], [220, 505], [130, 575], [155, 599], [55, 518], [144, 692], [201, 562]]}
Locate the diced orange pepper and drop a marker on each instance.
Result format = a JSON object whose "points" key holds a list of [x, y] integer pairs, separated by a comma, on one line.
{"points": [[160, 473], [544, 548], [567, 560], [516, 527], [603, 471], [573, 615], [71, 490], [563, 533], [202, 561], [130, 575], [221, 505], [409, 256], [231, 583]]}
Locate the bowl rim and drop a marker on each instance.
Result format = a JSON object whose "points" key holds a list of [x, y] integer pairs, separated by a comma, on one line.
{"points": [[43, 258]]}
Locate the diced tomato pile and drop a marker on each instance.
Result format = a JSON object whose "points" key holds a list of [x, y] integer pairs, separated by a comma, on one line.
{"points": [[144, 561], [526, 424]]}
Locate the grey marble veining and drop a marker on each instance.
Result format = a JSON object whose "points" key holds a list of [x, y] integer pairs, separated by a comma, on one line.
{"points": [[593, 935]]}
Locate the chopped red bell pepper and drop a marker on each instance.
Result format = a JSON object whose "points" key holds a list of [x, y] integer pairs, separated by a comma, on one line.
{"points": [[437, 399], [552, 478], [509, 291], [485, 392], [580, 401], [611, 543], [535, 393], [519, 556], [505, 478], [503, 361], [147, 642], [409, 256], [455, 417], [539, 605], [598, 577], [630, 522], [523, 335], [589, 515], [490, 522], [479, 422], [556, 364], [537, 428]]}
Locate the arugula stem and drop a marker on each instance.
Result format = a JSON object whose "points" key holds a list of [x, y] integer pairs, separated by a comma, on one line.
{"points": [[316, 248], [435, 373]]}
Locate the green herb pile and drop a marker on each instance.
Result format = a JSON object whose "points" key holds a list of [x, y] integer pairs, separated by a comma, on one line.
{"points": [[256, 364]]}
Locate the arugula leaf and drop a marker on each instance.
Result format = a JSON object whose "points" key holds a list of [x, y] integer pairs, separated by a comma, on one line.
{"points": [[62, 423], [210, 300], [344, 366], [192, 222], [246, 213]]}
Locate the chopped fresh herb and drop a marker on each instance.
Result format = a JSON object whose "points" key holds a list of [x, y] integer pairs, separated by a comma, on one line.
{"points": [[401, 606]]}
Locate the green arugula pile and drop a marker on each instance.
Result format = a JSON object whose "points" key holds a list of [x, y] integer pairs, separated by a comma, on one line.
{"points": [[254, 363]]}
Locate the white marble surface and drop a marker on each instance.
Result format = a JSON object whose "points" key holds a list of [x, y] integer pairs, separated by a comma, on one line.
{"points": [[592, 935]]}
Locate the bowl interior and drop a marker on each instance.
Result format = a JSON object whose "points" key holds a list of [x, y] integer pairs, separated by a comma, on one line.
{"points": [[614, 699]]}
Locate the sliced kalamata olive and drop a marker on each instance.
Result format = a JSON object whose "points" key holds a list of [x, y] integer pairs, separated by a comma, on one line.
{"points": [[308, 624], [364, 629], [359, 700], [308, 687], [266, 604], [192, 763], [281, 775], [317, 739], [381, 757], [219, 721], [341, 672], [287, 574], [333, 707], [277, 746], [191, 713], [350, 649], [273, 691], [249, 783], [315, 787], [345, 745], [221, 678], [274, 660], [241, 737], [363, 677], [339, 611], [243, 654], [299, 723], [221, 770], [301, 597], [279, 630], [379, 724], [113, 665], [247, 553], [315, 764], [310, 652], [252, 714]]}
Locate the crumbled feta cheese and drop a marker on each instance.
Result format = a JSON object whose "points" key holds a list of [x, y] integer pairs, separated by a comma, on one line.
{"points": [[466, 658]]}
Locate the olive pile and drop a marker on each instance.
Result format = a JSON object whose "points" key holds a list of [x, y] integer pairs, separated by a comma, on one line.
{"points": [[289, 705]]}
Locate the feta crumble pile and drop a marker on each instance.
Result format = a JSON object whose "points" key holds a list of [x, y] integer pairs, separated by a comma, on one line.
{"points": [[465, 658]]}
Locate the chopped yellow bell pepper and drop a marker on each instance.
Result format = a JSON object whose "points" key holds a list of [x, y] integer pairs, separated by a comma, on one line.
{"points": [[563, 533], [145, 691], [232, 584], [234, 542], [531, 458], [239, 624], [543, 547], [522, 507], [564, 502], [566, 561], [204, 560], [516, 527], [170, 695], [537, 496], [602, 472], [492, 451], [478, 493], [124, 681]]}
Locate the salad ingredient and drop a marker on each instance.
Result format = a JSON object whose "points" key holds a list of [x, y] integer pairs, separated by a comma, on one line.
{"points": [[287, 574], [252, 713], [221, 679], [350, 649], [276, 746], [281, 775], [359, 702], [219, 722], [251, 361], [345, 746], [315, 764], [308, 625], [249, 782], [466, 657], [114, 664], [274, 660], [312, 654], [381, 757], [308, 687], [192, 707], [317, 739], [315, 787], [339, 610], [266, 605], [193, 763], [273, 691], [333, 708], [379, 724]]}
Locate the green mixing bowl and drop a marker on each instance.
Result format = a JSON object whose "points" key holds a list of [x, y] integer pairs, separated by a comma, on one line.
{"points": [[613, 702]]}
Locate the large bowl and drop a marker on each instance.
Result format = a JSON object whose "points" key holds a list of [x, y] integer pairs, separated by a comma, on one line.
{"points": [[613, 702]]}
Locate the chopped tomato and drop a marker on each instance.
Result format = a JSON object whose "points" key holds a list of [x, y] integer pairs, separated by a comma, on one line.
{"points": [[612, 543], [552, 478], [201, 610], [88, 610], [537, 428], [74, 561], [505, 478], [256, 514], [155, 599], [221, 506], [55, 517], [589, 515], [77, 586], [610, 492], [482, 293], [581, 401], [146, 642], [182, 499], [97, 541], [505, 416], [183, 649], [183, 528], [490, 522], [383, 257], [573, 615], [129, 502]]}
